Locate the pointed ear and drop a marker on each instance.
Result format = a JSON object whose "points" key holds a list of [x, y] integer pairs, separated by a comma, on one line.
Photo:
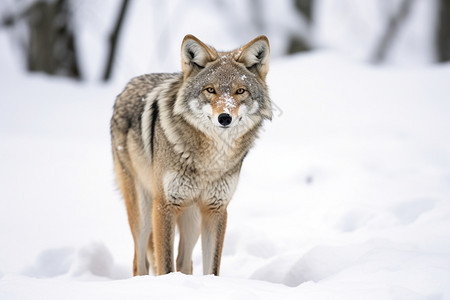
{"points": [[255, 56], [195, 55]]}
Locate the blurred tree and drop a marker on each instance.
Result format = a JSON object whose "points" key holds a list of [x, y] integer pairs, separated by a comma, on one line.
{"points": [[113, 39], [298, 42], [393, 26], [259, 20], [443, 31], [50, 45]]}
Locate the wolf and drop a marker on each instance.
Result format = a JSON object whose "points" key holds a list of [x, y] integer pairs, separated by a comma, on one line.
{"points": [[178, 143]]}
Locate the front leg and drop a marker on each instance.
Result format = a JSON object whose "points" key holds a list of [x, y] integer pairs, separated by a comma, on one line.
{"points": [[163, 235], [214, 223]]}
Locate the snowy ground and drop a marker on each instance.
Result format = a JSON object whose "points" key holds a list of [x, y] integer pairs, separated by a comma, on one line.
{"points": [[345, 196]]}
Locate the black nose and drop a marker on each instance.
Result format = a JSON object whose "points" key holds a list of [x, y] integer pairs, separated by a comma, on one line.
{"points": [[224, 119]]}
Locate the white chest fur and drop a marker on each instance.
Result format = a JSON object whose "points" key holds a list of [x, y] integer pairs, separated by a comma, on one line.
{"points": [[182, 189]]}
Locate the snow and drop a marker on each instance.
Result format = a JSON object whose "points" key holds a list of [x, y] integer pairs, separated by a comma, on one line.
{"points": [[228, 101], [345, 196]]}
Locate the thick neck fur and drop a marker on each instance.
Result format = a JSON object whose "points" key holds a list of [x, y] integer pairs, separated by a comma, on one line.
{"points": [[201, 145], [212, 150]]}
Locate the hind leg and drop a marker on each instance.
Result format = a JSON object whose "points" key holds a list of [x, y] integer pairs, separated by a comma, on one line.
{"points": [[138, 215], [151, 254], [189, 226], [143, 231]]}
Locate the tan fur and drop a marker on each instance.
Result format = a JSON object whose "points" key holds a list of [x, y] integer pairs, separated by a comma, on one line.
{"points": [[175, 164]]}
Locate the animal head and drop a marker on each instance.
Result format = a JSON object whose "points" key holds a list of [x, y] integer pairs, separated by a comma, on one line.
{"points": [[224, 90]]}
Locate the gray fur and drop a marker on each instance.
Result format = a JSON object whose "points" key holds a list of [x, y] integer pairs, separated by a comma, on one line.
{"points": [[176, 155]]}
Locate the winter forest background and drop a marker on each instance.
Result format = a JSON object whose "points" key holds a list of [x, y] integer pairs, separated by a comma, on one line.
{"points": [[346, 194], [97, 40]]}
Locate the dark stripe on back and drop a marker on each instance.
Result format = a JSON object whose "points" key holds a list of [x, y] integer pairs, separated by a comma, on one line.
{"points": [[155, 113]]}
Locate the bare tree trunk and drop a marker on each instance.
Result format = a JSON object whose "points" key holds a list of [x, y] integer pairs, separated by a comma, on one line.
{"points": [[306, 8], [443, 31], [50, 44], [113, 39], [297, 42], [392, 29]]}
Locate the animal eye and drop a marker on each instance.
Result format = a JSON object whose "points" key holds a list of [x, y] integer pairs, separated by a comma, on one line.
{"points": [[240, 91], [210, 90]]}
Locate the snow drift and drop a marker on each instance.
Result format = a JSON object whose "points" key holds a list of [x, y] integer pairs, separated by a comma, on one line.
{"points": [[345, 196]]}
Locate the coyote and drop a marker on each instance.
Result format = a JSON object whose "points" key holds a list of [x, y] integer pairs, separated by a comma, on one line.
{"points": [[178, 143]]}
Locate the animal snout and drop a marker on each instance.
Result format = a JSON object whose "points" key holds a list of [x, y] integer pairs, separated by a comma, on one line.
{"points": [[224, 119]]}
